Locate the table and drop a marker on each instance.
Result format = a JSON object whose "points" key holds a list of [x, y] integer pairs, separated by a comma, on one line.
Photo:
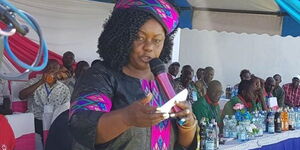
{"points": [[264, 142]]}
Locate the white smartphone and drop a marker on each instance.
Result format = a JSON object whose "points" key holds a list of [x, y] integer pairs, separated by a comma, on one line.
{"points": [[180, 97]]}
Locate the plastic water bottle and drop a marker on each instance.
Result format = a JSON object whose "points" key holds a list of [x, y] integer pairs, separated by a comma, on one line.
{"points": [[264, 120], [242, 133], [291, 119], [228, 92], [256, 121], [210, 138], [260, 125], [233, 124], [297, 118], [226, 129], [271, 125], [217, 131]]}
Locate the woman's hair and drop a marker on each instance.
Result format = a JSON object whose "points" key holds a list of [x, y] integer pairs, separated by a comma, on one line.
{"points": [[244, 85], [120, 31]]}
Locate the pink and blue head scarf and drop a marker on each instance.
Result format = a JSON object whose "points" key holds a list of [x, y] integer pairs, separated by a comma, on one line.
{"points": [[163, 11]]}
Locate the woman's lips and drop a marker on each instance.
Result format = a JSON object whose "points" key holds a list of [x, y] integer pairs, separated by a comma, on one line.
{"points": [[146, 59]]}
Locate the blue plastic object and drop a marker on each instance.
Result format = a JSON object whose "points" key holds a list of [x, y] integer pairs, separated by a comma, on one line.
{"points": [[292, 7], [43, 46]]}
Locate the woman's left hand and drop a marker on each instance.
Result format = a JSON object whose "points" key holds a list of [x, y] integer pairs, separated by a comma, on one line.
{"points": [[186, 113]]}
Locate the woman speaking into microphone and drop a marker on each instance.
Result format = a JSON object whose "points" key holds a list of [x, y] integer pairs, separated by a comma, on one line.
{"points": [[114, 103]]}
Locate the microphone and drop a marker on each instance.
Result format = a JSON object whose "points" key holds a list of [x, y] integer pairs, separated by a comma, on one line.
{"points": [[7, 17], [158, 69]]}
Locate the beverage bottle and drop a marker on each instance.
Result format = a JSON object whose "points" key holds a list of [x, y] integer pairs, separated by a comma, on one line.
{"points": [[226, 129], [271, 126], [297, 118], [265, 120], [291, 119], [228, 92], [262, 121], [242, 133], [268, 120], [278, 121], [233, 127], [202, 133], [284, 119], [210, 140], [217, 131], [261, 124]]}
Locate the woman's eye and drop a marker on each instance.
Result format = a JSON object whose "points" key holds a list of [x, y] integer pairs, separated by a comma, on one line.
{"points": [[139, 38], [157, 41]]}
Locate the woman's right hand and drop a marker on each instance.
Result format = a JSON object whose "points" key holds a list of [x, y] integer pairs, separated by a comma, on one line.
{"points": [[141, 114]]}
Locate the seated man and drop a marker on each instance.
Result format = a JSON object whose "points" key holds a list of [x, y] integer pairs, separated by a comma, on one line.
{"points": [[208, 106], [173, 69], [201, 85], [200, 77], [269, 87], [185, 82], [292, 92], [68, 60], [245, 96], [67, 72], [278, 91], [46, 91]]}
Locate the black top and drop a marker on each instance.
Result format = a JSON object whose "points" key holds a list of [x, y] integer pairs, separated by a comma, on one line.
{"points": [[110, 90]]}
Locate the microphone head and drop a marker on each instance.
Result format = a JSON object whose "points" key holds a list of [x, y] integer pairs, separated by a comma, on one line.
{"points": [[157, 66]]}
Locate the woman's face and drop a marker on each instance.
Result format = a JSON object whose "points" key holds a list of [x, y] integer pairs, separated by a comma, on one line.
{"points": [[257, 85], [148, 45]]}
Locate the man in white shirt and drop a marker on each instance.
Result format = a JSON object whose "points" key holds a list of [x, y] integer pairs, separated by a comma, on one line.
{"points": [[46, 90]]}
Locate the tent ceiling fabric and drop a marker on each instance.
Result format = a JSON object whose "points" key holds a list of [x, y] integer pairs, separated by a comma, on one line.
{"points": [[252, 5], [237, 22], [68, 24]]}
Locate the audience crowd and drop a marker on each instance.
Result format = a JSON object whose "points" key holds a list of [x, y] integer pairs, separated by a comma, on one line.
{"points": [[53, 89]]}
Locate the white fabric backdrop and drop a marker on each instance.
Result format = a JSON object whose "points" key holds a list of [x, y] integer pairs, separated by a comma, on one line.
{"points": [[229, 53], [68, 24]]}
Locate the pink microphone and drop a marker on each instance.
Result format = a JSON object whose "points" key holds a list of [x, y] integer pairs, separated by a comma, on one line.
{"points": [[158, 69]]}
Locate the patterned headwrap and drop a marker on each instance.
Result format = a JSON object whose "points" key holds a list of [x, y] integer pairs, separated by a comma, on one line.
{"points": [[163, 11]]}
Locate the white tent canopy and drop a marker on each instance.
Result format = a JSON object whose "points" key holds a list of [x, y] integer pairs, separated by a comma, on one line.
{"points": [[239, 22], [252, 5]]}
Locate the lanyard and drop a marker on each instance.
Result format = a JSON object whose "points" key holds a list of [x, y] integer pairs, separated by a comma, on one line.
{"points": [[211, 106], [210, 102], [47, 90], [248, 105]]}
